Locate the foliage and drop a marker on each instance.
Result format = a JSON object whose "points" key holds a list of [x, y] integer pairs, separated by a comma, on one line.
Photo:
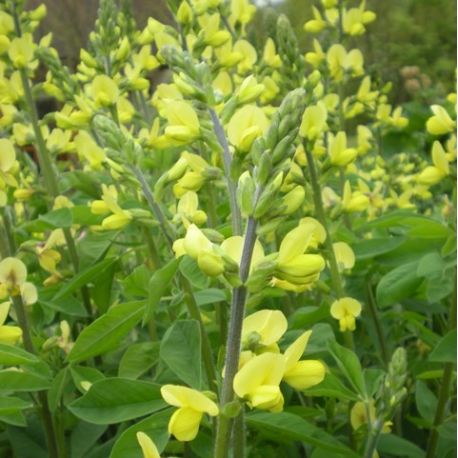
{"points": [[255, 258]]}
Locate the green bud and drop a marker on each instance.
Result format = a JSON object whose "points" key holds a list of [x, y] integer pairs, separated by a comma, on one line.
{"points": [[271, 137], [232, 409], [265, 167], [245, 192], [282, 147]]}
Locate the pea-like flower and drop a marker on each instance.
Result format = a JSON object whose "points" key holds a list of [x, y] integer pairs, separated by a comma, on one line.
{"points": [[344, 254], [258, 382], [302, 374], [314, 121], [247, 124], [263, 329], [346, 310], [441, 123], [296, 270], [339, 154], [433, 174], [192, 405], [183, 123]]}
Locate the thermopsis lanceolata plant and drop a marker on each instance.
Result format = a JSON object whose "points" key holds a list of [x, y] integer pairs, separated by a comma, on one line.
{"points": [[228, 263]]}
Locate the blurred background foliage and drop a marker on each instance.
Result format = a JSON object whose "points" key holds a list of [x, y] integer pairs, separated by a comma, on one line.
{"points": [[417, 34]]}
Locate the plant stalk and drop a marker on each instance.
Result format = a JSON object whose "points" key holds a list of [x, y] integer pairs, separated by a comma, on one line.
{"points": [[231, 186], [233, 343]]}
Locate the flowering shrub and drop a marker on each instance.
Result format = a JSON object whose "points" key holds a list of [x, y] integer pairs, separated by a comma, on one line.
{"points": [[227, 264]]}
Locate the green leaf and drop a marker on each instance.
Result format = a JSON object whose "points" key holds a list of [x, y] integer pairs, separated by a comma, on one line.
{"points": [[84, 374], [154, 426], [105, 332], [157, 286], [101, 291], [181, 351], [11, 410], [190, 269], [22, 381], [210, 296], [55, 219], [394, 445], [349, 364], [285, 426], [445, 350], [12, 356], [82, 278], [83, 215], [114, 400], [426, 401], [398, 284], [331, 387], [368, 249], [306, 316], [138, 359], [431, 264], [57, 389], [84, 437]]}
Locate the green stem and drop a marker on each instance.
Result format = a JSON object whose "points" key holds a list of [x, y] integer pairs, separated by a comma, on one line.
{"points": [[378, 326], [373, 438], [21, 314], [444, 391], [193, 308], [50, 178], [231, 186], [233, 343], [321, 215]]}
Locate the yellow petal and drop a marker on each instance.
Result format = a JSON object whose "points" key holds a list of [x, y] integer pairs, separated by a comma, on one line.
{"points": [[345, 256], [184, 424], [305, 374], [264, 369], [12, 272], [295, 351], [269, 324], [10, 334], [148, 447], [182, 396], [7, 154], [294, 243]]}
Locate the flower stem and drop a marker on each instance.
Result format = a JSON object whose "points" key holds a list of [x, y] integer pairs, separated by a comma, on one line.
{"points": [[232, 188], [233, 343]]}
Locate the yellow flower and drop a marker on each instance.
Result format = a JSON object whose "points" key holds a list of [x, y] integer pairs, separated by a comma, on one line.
{"points": [[184, 13], [270, 56], [209, 26], [317, 56], [104, 91], [361, 411], [8, 334], [317, 24], [258, 382], [248, 56], [339, 154], [364, 135], [183, 123], [87, 149], [7, 156], [247, 123], [441, 123], [148, 447], [345, 256], [249, 90], [295, 270], [188, 209], [354, 201], [13, 274], [21, 50], [263, 328], [292, 200], [302, 374], [241, 11], [314, 121], [6, 23], [223, 84], [432, 175], [192, 404], [346, 310]]}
